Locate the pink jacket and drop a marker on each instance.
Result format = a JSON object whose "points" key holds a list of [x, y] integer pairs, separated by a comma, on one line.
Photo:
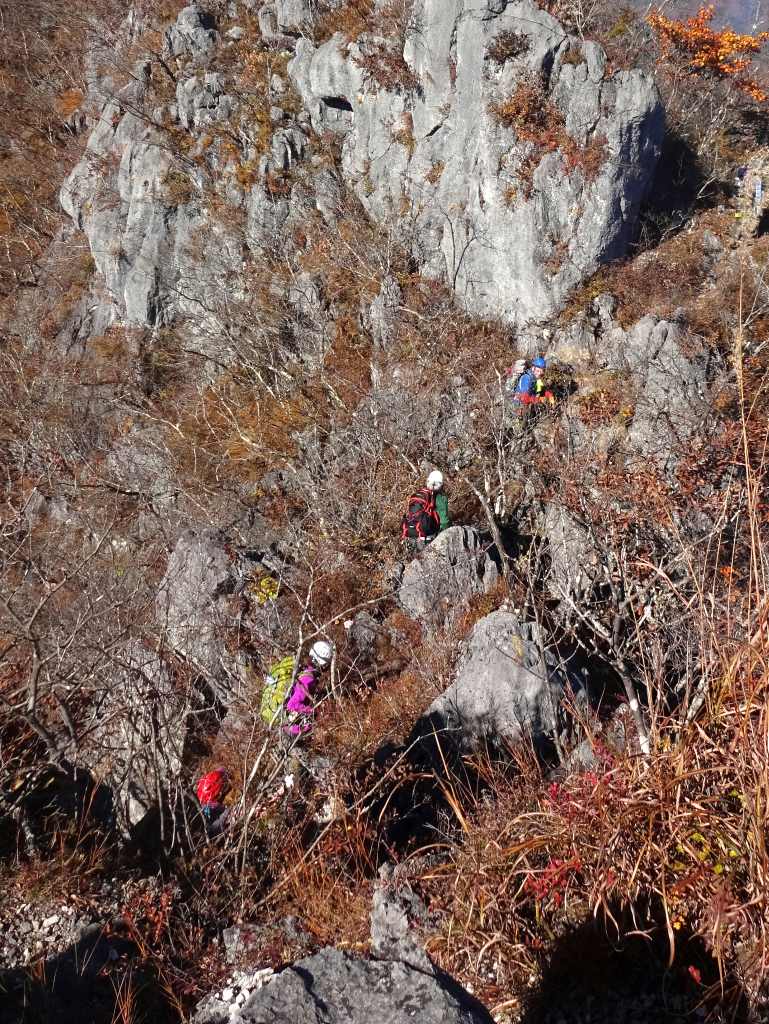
{"points": [[299, 701]]}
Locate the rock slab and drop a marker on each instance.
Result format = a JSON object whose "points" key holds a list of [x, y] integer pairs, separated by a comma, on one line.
{"points": [[333, 987]]}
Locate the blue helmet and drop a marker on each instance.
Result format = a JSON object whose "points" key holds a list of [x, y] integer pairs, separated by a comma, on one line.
{"points": [[540, 363]]}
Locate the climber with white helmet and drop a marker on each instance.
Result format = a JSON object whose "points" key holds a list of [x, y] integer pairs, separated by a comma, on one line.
{"points": [[427, 513], [296, 715]]}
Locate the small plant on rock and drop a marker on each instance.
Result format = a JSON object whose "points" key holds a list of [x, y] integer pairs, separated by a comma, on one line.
{"points": [[574, 56], [506, 46], [179, 186], [537, 119]]}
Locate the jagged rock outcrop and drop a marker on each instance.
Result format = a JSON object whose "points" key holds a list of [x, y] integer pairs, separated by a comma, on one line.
{"points": [[429, 157], [510, 231], [672, 369], [502, 689], [134, 738], [662, 378], [572, 555], [334, 986], [192, 606], [453, 568], [194, 32], [142, 192], [142, 212]]}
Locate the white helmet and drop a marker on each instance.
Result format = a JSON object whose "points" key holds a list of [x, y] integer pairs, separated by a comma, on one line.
{"points": [[436, 480], [321, 653]]}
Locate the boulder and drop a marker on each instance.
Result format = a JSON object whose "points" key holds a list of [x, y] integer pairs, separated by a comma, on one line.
{"points": [[502, 689], [333, 986], [454, 567], [194, 32], [364, 631], [396, 908], [508, 231]]}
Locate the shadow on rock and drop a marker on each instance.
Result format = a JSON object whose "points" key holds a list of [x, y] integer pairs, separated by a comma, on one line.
{"points": [[91, 982], [594, 975]]}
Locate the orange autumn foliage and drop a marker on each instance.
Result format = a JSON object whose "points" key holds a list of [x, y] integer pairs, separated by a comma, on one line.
{"points": [[720, 54]]}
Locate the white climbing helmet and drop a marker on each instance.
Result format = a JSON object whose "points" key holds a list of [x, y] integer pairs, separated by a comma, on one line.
{"points": [[436, 480], [321, 653]]}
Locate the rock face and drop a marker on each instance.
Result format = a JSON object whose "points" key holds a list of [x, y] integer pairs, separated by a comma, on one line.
{"points": [[453, 568], [501, 688], [135, 742], [511, 230], [191, 605], [336, 988], [428, 155], [674, 370], [571, 553], [140, 192]]}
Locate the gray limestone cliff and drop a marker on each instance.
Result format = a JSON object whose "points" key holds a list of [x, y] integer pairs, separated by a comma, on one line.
{"points": [[511, 219], [432, 160]]}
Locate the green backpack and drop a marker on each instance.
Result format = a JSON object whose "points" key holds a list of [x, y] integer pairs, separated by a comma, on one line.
{"points": [[276, 690]]}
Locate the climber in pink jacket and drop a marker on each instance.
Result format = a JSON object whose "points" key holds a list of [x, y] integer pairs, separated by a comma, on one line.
{"points": [[299, 703]]}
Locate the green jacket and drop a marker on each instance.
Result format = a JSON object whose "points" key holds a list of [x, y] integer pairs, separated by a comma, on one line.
{"points": [[442, 508]]}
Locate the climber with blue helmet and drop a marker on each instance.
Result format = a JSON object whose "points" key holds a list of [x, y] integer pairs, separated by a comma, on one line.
{"points": [[531, 387]]}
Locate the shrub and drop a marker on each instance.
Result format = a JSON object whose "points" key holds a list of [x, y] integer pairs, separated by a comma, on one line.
{"points": [[179, 186], [384, 66], [405, 135], [435, 172], [86, 267], [626, 18], [531, 113], [536, 119], [558, 253], [574, 56], [508, 44], [699, 50], [351, 19]]}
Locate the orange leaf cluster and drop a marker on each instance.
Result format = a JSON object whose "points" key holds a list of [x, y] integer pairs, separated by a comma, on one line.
{"points": [[721, 54]]}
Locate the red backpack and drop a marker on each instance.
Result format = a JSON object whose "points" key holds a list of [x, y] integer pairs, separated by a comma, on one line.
{"points": [[212, 786], [421, 519]]}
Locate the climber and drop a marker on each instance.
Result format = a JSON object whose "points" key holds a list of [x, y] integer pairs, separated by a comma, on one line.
{"points": [[531, 389], [212, 789], [751, 199], [427, 513], [297, 713]]}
